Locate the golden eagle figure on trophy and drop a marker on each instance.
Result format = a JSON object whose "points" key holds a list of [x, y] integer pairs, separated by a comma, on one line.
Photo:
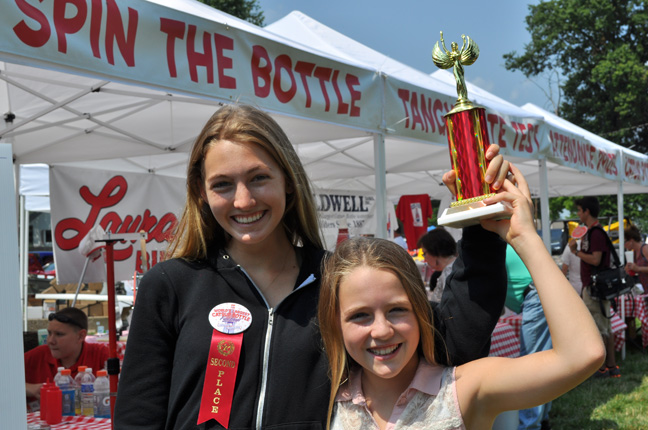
{"points": [[457, 58]]}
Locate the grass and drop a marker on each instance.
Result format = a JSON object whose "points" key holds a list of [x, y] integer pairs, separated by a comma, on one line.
{"points": [[607, 404]]}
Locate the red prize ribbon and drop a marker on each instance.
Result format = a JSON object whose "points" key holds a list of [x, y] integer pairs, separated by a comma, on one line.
{"points": [[220, 377]]}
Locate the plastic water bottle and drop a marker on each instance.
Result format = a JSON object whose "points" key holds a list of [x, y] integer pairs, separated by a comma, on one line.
{"points": [[87, 393], [77, 389], [66, 384], [102, 395], [58, 375]]}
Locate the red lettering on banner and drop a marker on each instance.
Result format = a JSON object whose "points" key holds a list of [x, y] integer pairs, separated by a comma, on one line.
{"points": [[224, 62], [636, 170], [151, 260], [115, 33], [525, 136], [352, 82], [439, 111], [517, 134], [68, 25], [606, 163], [305, 70], [174, 30], [267, 78], [95, 27], [196, 58], [261, 71], [429, 117], [572, 150], [497, 128], [69, 232], [178, 30], [323, 74], [416, 114], [403, 94], [70, 20], [28, 36], [283, 63], [427, 113], [502, 133], [343, 108]]}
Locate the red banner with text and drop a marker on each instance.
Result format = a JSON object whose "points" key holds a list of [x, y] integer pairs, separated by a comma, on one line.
{"points": [[190, 48]]}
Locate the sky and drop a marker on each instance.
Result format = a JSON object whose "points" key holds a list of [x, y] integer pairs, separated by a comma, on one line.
{"points": [[407, 30]]}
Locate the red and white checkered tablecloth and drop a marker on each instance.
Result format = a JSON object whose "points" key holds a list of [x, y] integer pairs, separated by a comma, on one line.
{"points": [[500, 342], [618, 328], [120, 345], [635, 306], [73, 423], [514, 321], [504, 341]]}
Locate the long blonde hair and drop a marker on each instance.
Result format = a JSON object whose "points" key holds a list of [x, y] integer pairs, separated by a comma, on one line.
{"points": [[378, 254], [197, 229]]}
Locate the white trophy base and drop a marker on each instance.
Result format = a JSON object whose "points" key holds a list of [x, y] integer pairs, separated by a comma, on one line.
{"points": [[466, 215]]}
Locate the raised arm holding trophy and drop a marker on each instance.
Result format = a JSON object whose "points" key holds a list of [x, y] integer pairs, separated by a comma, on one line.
{"points": [[468, 141]]}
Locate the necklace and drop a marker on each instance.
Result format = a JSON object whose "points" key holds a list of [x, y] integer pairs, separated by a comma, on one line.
{"points": [[283, 267]]}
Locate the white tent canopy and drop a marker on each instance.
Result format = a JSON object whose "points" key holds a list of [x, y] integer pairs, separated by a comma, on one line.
{"points": [[524, 133], [416, 146], [60, 119]]}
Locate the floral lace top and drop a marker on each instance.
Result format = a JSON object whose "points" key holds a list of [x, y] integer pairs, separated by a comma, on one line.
{"points": [[430, 403]]}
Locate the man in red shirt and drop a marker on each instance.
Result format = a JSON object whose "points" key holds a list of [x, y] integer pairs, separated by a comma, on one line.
{"points": [[66, 347]]}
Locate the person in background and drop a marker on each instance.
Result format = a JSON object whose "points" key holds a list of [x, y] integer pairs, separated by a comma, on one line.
{"points": [[517, 281], [439, 252], [534, 332], [66, 347], [571, 268], [639, 268], [399, 239], [634, 242], [249, 237], [595, 254], [374, 319]]}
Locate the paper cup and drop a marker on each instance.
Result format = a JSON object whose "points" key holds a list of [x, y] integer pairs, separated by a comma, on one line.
{"points": [[629, 257]]}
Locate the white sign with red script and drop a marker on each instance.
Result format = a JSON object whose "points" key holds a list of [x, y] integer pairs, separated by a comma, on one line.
{"points": [[119, 203]]}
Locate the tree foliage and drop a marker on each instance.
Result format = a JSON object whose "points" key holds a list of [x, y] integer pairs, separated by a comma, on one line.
{"points": [[634, 208], [600, 49], [249, 10]]}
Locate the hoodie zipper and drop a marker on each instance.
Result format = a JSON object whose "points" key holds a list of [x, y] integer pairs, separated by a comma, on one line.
{"points": [[266, 346]]}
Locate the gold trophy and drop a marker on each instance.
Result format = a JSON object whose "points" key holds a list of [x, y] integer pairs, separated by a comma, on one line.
{"points": [[468, 141]]}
